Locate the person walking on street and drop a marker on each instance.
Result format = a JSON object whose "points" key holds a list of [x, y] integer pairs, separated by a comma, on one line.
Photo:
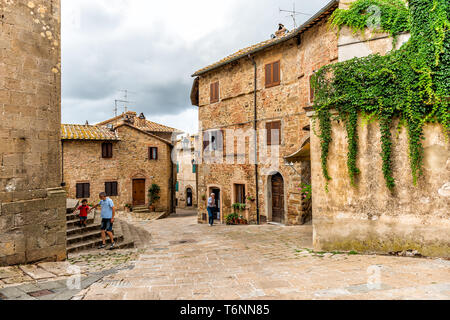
{"points": [[212, 207], [108, 212]]}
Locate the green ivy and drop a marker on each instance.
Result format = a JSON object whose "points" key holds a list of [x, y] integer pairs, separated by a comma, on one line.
{"points": [[411, 84]]}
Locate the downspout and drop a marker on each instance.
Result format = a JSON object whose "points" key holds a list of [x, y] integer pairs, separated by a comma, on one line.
{"points": [[256, 141]]}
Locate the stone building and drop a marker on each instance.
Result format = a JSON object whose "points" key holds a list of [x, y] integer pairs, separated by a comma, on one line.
{"points": [[186, 187], [370, 217], [120, 159], [267, 87], [32, 202]]}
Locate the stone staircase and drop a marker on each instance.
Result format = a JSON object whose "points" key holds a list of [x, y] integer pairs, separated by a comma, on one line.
{"points": [[80, 239]]}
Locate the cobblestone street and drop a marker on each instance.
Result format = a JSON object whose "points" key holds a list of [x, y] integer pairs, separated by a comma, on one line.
{"points": [[189, 261]]}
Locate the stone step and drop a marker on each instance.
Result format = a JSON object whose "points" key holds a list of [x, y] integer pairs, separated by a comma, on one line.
{"points": [[74, 230], [120, 244], [86, 237], [72, 223]]}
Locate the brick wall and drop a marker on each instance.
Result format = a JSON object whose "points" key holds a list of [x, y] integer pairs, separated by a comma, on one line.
{"points": [[32, 205]]}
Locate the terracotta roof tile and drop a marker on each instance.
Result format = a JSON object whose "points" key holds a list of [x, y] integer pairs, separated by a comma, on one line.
{"points": [[86, 132]]}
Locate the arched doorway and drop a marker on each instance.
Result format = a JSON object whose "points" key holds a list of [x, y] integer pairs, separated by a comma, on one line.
{"points": [[277, 198], [189, 197]]}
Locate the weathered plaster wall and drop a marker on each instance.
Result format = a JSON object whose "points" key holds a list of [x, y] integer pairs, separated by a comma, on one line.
{"points": [[284, 102], [32, 204], [186, 177], [83, 163], [370, 218]]}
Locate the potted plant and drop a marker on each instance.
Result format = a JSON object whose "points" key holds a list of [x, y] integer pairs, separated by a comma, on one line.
{"points": [[251, 198], [203, 197], [306, 190], [232, 219], [153, 196]]}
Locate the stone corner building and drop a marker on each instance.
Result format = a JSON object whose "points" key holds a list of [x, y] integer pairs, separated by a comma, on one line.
{"points": [[32, 203], [264, 87], [123, 157]]}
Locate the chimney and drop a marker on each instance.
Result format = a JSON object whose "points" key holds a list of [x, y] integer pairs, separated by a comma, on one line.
{"points": [[281, 31]]}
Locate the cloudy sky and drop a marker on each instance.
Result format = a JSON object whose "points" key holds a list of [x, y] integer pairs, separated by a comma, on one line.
{"points": [[151, 48]]}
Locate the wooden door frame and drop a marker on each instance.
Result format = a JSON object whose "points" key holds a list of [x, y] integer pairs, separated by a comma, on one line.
{"points": [[269, 204], [210, 188]]}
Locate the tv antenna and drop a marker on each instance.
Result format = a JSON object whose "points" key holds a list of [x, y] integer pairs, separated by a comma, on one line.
{"points": [[293, 14], [124, 101]]}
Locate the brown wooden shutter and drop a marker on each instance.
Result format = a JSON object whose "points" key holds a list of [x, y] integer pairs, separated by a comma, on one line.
{"points": [[108, 188], [114, 189], [87, 190], [276, 73], [211, 97], [216, 92], [79, 188], [268, 74], [110, 150], [103, 150], [277, 126], [269, 133]]}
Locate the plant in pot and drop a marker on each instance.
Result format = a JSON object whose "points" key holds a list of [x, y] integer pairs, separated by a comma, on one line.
{"points": [[251, 198], [237, 217], [232, 219], [153, 196]]}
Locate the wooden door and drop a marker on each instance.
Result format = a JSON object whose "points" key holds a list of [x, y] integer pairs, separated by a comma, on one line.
{"points": [[139, 192], [277, 199]]}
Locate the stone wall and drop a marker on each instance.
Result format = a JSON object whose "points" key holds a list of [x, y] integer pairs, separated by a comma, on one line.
{"points": [[83, 163], [284, 102], [32, 204], [369, 218], [186, 177]]}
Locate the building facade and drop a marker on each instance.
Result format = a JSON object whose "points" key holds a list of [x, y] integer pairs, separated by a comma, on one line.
{"points": [[32, 202], [121, 160], [187, 172], [264, 87]]}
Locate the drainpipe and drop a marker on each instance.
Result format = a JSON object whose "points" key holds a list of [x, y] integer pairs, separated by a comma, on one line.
{"points": [[255, 120]]}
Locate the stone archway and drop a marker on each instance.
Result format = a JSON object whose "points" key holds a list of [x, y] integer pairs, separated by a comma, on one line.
{"points": [[189, 197]]}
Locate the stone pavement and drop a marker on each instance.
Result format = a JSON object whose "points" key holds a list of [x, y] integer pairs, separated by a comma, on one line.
{"points": [[185, 260]]}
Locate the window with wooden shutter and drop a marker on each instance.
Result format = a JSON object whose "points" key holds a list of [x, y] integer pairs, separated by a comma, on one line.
{"points": [[111, 189], [214, 92], [153, 153], [239, 193], [273, 130], [272, 71], [107, 150], [83, 190], [213, 140]]}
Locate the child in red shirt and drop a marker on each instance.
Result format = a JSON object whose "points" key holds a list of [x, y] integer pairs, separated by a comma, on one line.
{"points": [[84, 209]]}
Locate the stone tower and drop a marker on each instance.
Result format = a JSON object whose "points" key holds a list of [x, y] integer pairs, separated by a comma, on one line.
{"points": [[32, 203]]}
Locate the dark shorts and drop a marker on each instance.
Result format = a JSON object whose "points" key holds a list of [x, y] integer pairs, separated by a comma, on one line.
{"points": [[83, 218], [107, 225]]}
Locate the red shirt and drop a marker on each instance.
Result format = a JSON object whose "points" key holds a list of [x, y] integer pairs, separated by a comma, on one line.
{"points": [[83, 211]]}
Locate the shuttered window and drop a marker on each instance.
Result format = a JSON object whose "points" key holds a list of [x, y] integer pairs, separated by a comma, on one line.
{"points": [[273, 130], [214, 140], [107, 150], [214, 91], [239, 193], [272, 74], [194, 168], [83, 190], [111, 189], [153, 153]]}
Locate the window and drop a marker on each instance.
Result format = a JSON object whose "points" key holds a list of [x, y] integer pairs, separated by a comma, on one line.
{"points": [[177, 186], [272, 74], [153, 153], [107, 150], [214, 92], [111, 189], [83, 190], [194, 168], [178, 168], [273, 130], [213, 140], [239, 193]]}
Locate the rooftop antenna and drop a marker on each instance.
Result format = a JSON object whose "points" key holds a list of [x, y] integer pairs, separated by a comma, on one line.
{"points": [[293, 13], [124, 101]]}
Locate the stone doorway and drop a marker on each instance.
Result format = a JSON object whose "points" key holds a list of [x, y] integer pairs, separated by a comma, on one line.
{"points": [[139, 192], [189, 197], [217, 192], [277, 198]]}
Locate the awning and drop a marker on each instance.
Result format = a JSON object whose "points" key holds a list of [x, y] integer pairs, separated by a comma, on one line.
{"points": [[303, 154]]}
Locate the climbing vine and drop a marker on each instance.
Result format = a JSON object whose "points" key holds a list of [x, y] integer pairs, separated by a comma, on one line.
{"points": [[411, 84]]}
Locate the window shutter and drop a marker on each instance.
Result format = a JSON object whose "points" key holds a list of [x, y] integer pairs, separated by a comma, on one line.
{"points": [[79, 188], [110, 150], [103, 150], [212, 92], [268, 74], [87, 190], [277, 126], [216, 91], [269, 133], [276, 73], [155, 153], [108, 189], [114, 189]]}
